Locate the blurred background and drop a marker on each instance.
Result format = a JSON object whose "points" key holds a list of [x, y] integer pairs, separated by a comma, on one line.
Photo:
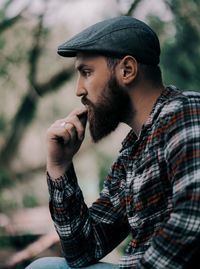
{"points": [[37, 87]]}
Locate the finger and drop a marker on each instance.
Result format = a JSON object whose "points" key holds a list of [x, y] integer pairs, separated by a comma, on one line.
{"points": [[70, 128], [83, 118], [59, 134], [78, 111], [74, 122]]}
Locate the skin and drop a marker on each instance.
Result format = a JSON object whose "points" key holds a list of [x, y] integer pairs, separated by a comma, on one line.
{"points": [[63, 142]]}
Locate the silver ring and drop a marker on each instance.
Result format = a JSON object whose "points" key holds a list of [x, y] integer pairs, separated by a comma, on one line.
{"points": [[64, 124]]}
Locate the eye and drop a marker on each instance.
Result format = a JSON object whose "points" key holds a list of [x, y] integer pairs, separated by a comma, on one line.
{"points": [[86, 72]]}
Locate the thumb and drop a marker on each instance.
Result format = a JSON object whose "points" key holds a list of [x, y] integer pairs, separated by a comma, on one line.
{"points": [[83, 118]]}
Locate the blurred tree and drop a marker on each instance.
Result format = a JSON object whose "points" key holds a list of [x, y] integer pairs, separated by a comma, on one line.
{"points": [[133, 7], [35, 90], [5, 22], [180, 62], [181, 53], [104, 163], [23, 46], [180, 42]]}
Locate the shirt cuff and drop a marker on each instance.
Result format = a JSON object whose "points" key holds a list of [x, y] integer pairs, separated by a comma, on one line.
{"points": [[66, 183]]}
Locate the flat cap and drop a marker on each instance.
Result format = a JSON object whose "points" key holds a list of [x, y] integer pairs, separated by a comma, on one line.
{"points": [[117, 37]]}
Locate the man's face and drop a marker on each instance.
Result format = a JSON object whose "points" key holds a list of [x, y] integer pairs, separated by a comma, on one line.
{"points": [[108, 103]]}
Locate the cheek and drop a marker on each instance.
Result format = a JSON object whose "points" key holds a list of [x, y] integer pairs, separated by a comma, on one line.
{"points": [[96, 88]]}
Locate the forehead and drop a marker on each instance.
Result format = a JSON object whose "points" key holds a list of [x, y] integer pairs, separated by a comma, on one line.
{"points": [[90, 60]]}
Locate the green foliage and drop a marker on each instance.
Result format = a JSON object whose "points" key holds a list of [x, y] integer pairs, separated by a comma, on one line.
{"points": [[2, 123], [181, 53], [2, 43], [4, 64], [7, 204], [29, 201], [124, 244], [104, 163], [5, 179], [15, 243]]}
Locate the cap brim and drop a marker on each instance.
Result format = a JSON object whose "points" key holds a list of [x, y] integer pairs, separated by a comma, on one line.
{"points": [[67, 52]]}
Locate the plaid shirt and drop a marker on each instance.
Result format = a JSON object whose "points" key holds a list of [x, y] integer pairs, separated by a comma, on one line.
{"points": [[152, 192]]}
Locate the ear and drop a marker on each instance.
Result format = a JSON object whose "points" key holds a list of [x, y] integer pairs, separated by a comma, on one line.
{"points": [[128, 70]]}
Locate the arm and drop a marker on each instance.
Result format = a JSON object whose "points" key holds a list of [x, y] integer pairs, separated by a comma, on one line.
{"points": [[64, 138], [179, 239], [86, 234]]}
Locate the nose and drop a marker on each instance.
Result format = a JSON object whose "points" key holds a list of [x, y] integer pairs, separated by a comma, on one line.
{"points": [[80, 89]]}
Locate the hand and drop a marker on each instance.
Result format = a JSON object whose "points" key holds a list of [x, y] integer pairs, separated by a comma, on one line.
{"points": [[64, 138]]}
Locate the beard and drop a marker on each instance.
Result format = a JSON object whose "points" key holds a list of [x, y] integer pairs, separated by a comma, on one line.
{"points": [[113, 106]]}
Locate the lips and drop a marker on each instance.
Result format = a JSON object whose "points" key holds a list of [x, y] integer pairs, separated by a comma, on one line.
{"points": [[85, 101]]}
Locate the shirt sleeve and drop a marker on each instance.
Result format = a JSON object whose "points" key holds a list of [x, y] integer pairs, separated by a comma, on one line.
{"points": [[178, 241], [86, 234]]}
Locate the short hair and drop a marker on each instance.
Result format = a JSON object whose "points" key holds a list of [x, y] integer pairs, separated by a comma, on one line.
{"points": [[112, 62], [151, 73]]}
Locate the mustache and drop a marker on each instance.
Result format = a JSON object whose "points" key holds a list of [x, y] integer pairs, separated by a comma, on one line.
{"points": [[85, 101]]}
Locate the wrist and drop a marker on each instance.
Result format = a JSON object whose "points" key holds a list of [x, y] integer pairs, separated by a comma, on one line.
{"points": [[56, 171]]}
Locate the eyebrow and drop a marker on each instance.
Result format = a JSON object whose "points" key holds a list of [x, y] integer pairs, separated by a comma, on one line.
{"points": [[80, 67]]}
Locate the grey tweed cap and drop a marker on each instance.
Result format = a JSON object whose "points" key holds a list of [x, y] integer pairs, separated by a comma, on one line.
{"points": [[116, 37]]}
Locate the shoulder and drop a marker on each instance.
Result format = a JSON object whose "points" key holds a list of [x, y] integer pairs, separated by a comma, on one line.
{"points": [[181, 105], [178, 115]]}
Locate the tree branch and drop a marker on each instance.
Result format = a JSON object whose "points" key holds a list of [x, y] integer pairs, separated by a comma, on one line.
{"points": [[35, 52], [26, 113], [29, 103], [32, 250], [8, 22], [133, 7], [54, 82]]}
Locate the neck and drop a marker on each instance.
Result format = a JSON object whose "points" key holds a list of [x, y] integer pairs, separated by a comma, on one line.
{"points": [[143, 100]]}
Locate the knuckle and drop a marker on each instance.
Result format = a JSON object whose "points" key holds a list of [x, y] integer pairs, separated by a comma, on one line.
{"points": [[56, 122]]}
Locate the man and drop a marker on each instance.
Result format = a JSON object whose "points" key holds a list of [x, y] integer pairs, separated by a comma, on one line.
{"points": [[152, 191]]}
